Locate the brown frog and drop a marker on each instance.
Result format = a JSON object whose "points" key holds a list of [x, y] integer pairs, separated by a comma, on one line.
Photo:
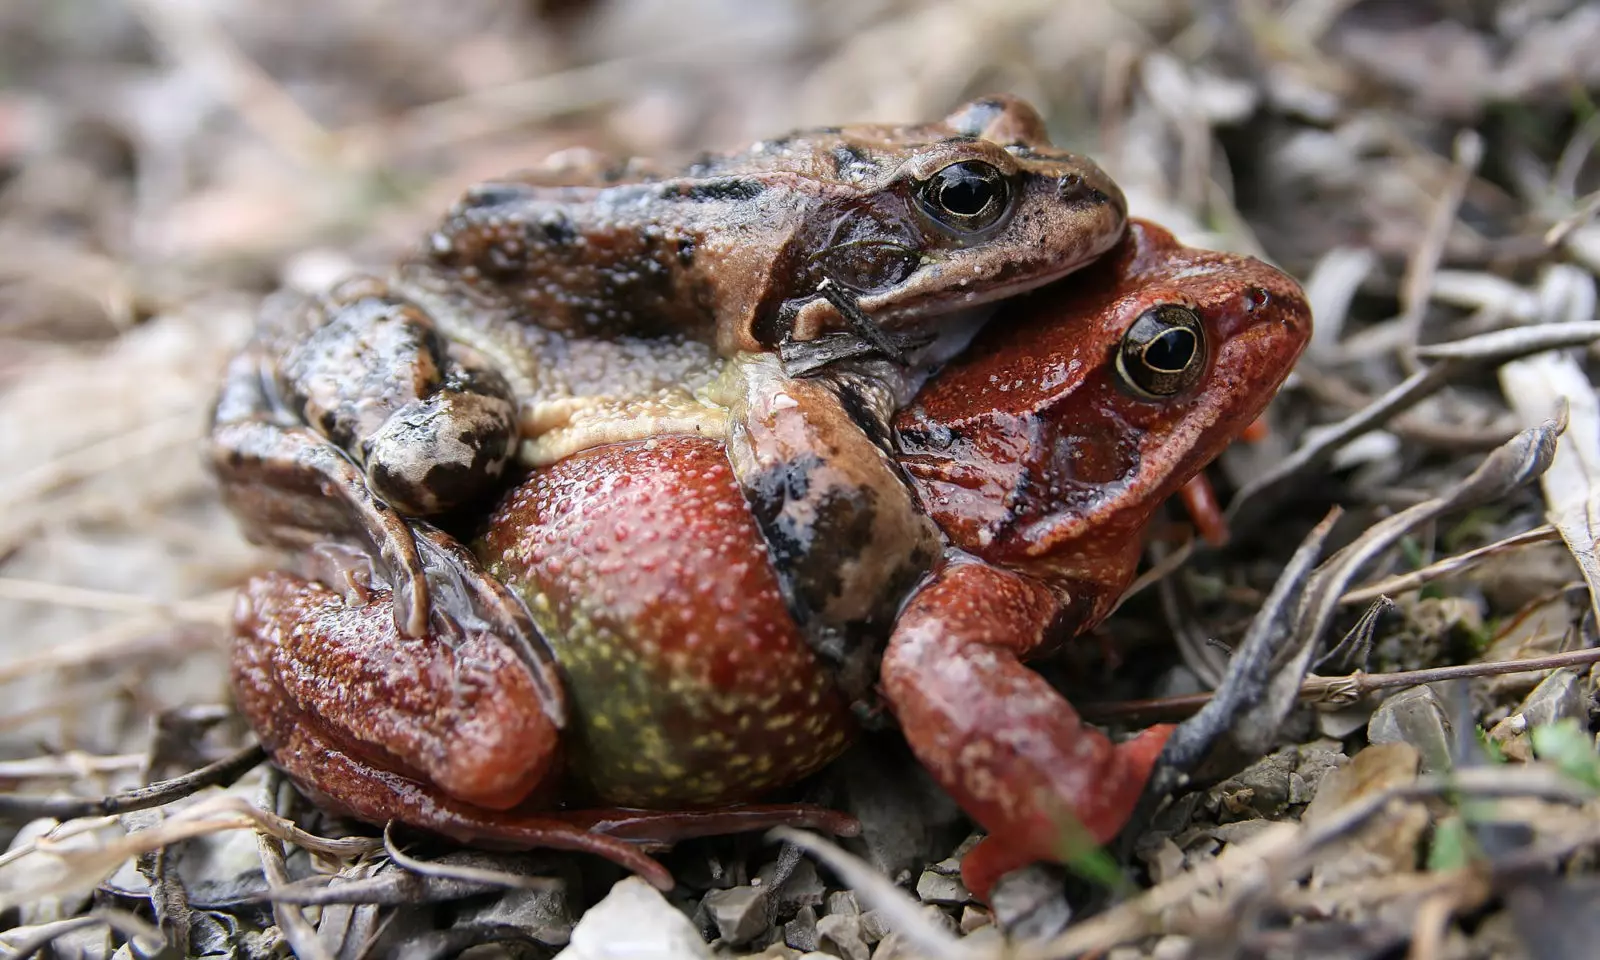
{"points": [[587, 304]]}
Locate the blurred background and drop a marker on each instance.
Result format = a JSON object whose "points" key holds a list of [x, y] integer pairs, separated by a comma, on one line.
{"points": [[164, 163]]}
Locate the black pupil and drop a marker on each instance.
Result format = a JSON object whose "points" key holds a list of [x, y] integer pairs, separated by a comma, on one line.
{"points": [[963, 190], [1171, 351]]}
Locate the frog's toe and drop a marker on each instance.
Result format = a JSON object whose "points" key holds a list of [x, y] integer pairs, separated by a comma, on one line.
{"points": [[442, 451]]}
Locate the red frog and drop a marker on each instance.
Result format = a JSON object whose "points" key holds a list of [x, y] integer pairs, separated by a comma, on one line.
{"points": [[662, 684]]}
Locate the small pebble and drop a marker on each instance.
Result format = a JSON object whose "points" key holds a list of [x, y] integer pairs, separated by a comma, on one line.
{"points": [[873, 926], [801, 932], [842, 937], [975, 918], [938, 888], [740, 913]]}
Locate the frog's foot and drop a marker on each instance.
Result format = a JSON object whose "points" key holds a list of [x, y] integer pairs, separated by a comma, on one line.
{"points": [[658, 829], [859, 323], [1005, 745], [1200, 499]]}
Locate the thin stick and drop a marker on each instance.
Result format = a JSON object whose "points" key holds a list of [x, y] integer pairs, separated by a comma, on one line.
{"points": [[218, 774]]}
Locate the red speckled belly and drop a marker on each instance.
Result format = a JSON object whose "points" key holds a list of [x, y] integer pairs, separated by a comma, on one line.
{"points": [[688, 680]]}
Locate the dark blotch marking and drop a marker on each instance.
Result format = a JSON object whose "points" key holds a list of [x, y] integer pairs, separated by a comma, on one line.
{"points": [[554, 229], [808, 556], [773, 327], [862, 415], [848, 156], [686, 248], [493, 195], [724, 189]]}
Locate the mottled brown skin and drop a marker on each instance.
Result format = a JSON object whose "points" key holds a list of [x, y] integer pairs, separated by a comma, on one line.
{"points": [[684, 683], [735, 246], [590, 303]]}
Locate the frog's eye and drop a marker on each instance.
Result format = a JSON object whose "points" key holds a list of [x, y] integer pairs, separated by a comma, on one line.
{"points": [[970, 195], [1163, 353]]}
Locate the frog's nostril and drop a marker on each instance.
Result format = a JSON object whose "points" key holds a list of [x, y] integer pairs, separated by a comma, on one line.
{"points": [[1073, 188]]}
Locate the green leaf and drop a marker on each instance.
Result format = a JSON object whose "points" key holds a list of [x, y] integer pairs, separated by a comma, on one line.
{"points": [[1453, 846], [1567, 745], [1491, 748]]}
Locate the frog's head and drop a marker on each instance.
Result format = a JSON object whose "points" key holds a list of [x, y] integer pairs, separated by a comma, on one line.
{"points": [[931, 219], [1049, 444]]}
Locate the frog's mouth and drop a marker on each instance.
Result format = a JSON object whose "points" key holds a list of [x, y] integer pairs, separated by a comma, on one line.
{"points": [[919, 351]]}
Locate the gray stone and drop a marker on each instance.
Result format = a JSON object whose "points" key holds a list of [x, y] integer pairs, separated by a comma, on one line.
{"points": [[974, 918], [939, 888], [1030, 904], [843, 903], [841, 935], [1418, 717], [1557, 697], [740, 913], [801, 932], [873, 926], [1261, 789], [544, 914], [801, 888]]}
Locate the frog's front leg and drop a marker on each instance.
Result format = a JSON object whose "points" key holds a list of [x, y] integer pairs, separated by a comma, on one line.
{"points": [[291, 487], [430, 421], [845, 531], [1005, 744], [341, 416]]}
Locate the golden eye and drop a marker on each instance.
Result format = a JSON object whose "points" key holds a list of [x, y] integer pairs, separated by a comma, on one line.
{"points": [[969, 195], [1163, 353]]}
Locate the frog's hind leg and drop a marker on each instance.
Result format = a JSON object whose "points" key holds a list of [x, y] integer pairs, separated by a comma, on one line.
{"points": [[1006, 746], [447, 733], [341, 781]]}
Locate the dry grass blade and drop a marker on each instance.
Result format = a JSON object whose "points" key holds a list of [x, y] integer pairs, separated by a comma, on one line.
{"points": [[1418, 278], [1448, 567], [1338, 690], [1539, 387], [212, 610], [302, 936], [479, 875], [1515, 463], [135, 636], [1248, 684], [143, 937], [89, 867]]}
